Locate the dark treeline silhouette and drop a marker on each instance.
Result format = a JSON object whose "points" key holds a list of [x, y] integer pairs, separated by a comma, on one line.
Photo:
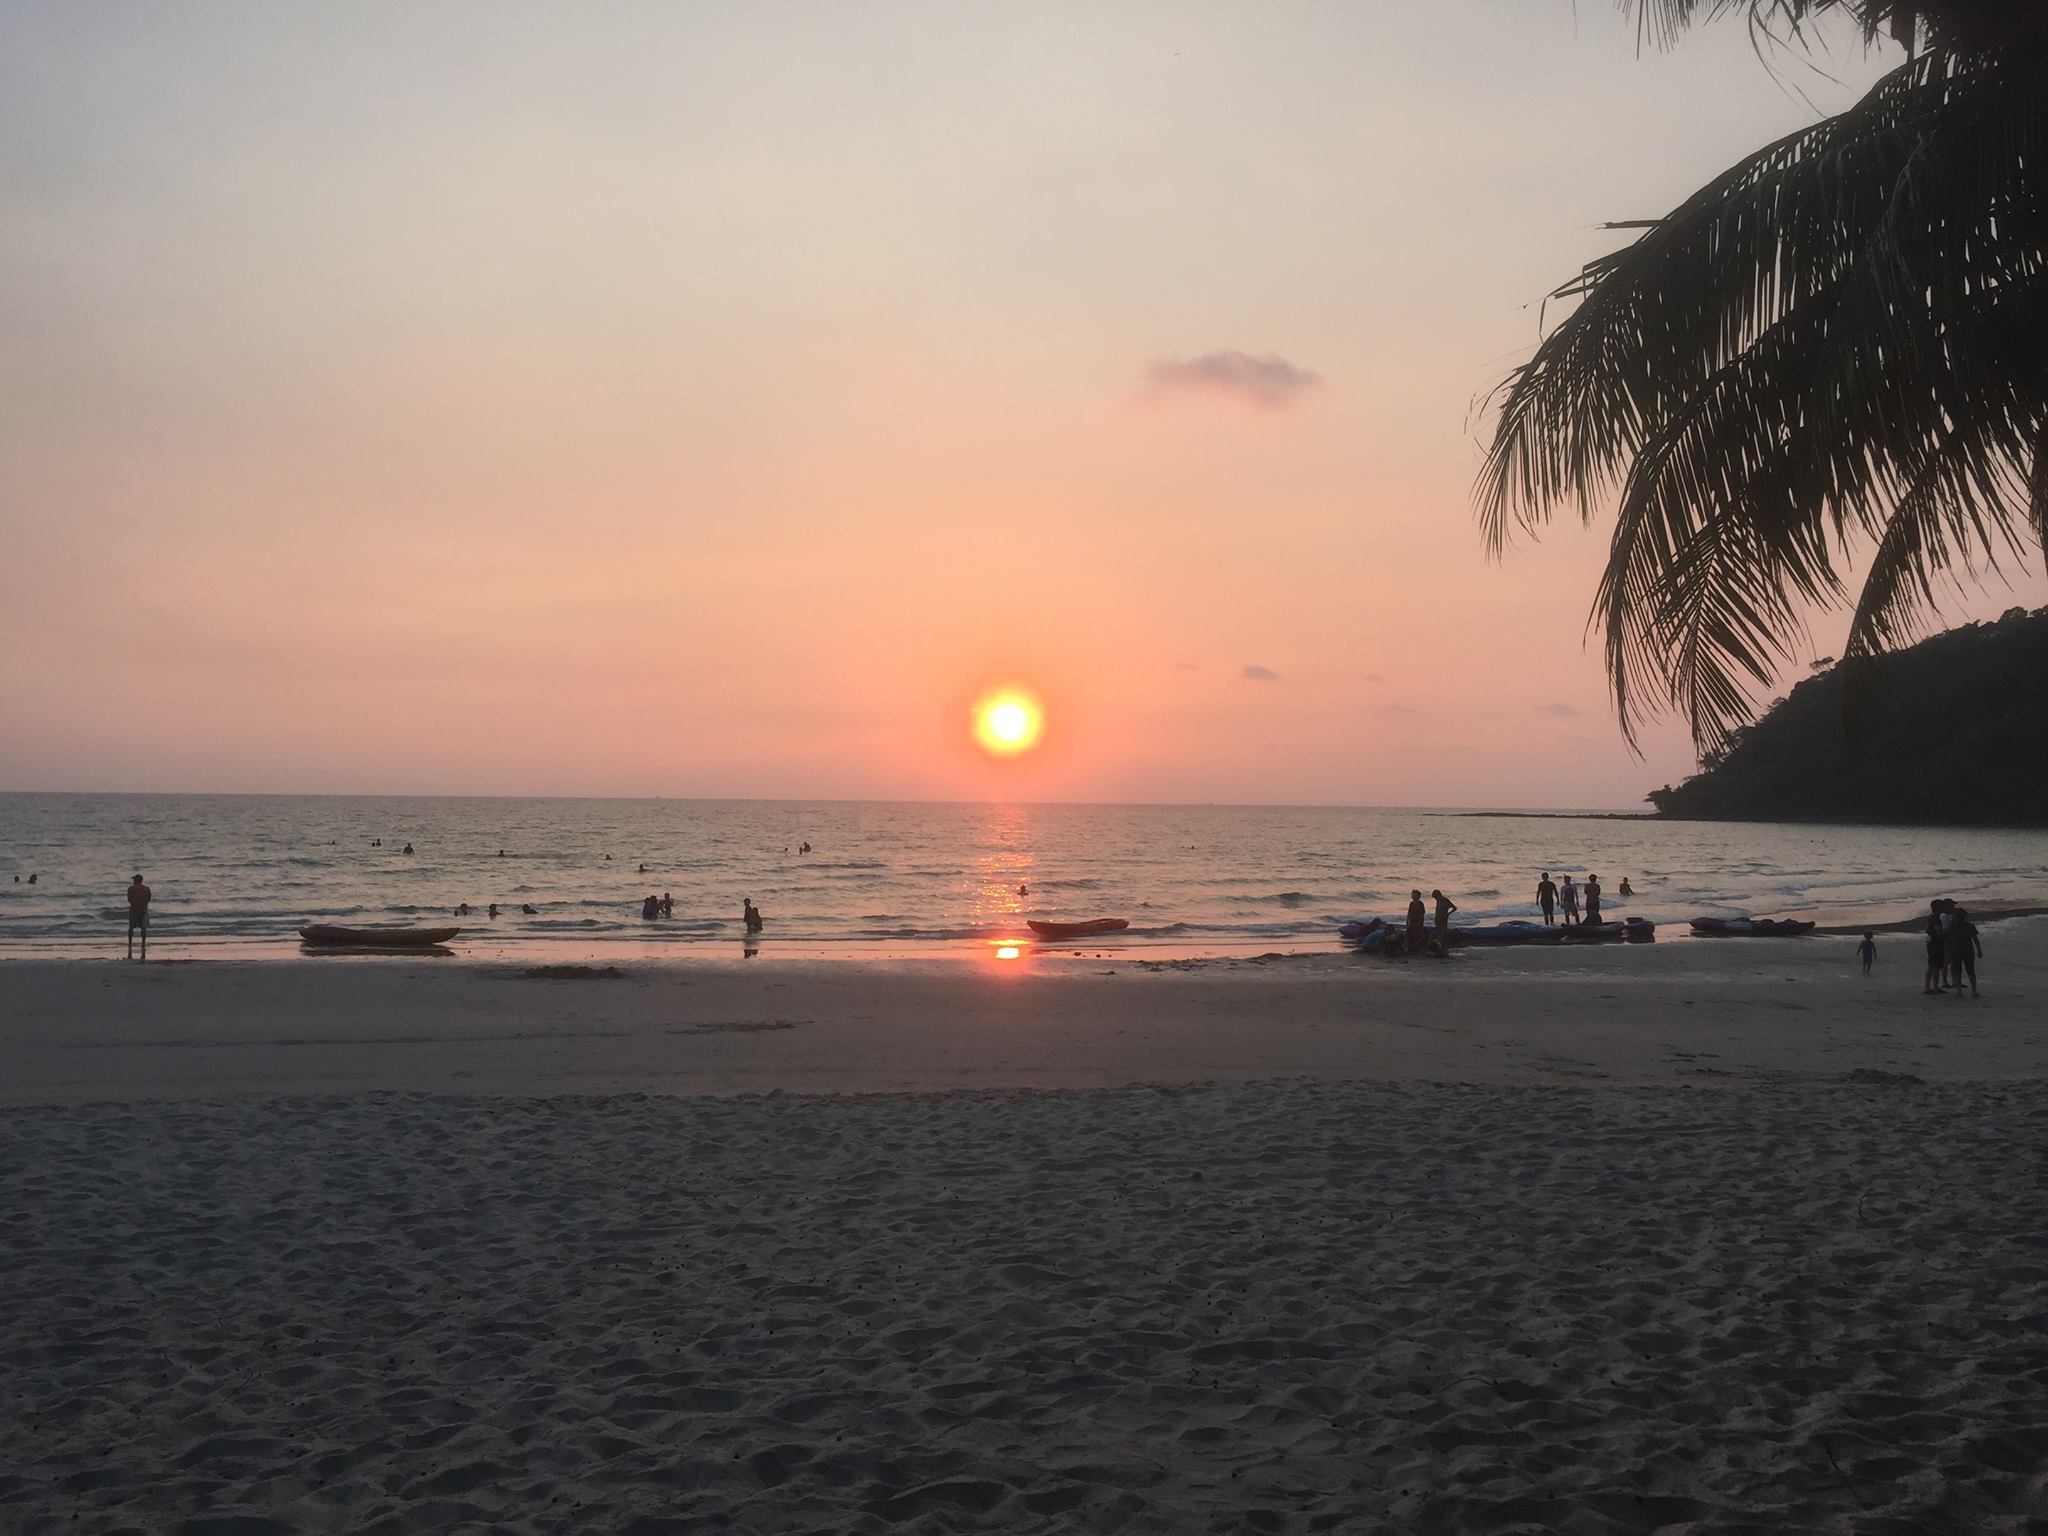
{"points": [[1952, 731]]}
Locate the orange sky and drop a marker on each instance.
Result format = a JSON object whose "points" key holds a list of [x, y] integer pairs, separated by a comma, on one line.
{"points": [[663, 400]]}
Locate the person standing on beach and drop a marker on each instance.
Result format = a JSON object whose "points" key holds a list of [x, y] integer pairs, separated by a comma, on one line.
{"points": [[1570, 893], [1415, 939], [1592, 898], [1963, 950], [138, 916], [1444, 908], [1546, 898], [1937, 953], [1867, 950]]}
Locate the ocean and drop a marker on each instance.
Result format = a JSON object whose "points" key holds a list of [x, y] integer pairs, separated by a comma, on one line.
{"points": [[241, 873]]}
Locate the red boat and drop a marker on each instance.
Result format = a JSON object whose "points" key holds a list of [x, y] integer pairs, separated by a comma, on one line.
{"points": [[1094, 925]]}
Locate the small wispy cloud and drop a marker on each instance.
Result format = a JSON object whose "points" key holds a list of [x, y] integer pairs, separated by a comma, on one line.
{"points": [[1374, 677], [1269, 383], [1399, 709], [1259, 674], [1562, 711]]}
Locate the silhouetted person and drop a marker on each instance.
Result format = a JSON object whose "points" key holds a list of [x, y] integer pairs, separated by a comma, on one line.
{"points": [[1867, 950], [138, 914], [501, 853], [1963, 950], [462, 909], [1625, 891], [668, 905], [1415, 919], [376, 842], [643, 869], [406, 849], [1546, 897], [31, 879], [529, 909], [1023, 890], [750, 915], [1569, 893], [650, 909], [494, 909], [1937, 952], [1444, 908], [1592, 898]]}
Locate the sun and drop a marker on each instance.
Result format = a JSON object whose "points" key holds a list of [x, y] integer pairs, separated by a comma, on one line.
{"points": [[1007, 722]]}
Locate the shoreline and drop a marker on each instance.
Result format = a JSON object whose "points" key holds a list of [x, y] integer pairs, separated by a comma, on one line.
{"points": [[482, 945], [1710, 1015]]}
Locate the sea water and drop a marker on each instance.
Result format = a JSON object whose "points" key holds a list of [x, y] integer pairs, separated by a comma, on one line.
{"points": [[918, 878]]}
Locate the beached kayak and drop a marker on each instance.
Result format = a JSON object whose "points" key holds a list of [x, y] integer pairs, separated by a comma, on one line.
{"points": [[331, 936], [1630, 930], [1749, 927], [1513, 932], [1093, 925]]}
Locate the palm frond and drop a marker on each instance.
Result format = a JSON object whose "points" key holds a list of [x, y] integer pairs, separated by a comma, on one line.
{"points": [[1846, 328]]}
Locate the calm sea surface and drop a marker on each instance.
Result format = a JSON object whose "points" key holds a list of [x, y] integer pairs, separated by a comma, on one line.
{"points": [[915, 878]]}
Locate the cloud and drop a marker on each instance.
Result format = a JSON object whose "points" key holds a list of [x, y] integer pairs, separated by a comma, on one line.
{"points": [[1259, 674], [1399, 709], [1269, 383], [1562, 711], [1374, 677], [1186, 666]]}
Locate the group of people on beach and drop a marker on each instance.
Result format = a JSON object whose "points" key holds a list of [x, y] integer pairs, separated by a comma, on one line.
{"points": [[1953, 949], [1550, 897]]}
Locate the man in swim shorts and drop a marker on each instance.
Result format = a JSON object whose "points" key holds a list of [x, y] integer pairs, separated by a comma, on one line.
{"points": [[138, 916]]}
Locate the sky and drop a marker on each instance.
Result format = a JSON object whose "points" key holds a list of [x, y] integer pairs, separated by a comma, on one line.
{"points": [[687, 399]]}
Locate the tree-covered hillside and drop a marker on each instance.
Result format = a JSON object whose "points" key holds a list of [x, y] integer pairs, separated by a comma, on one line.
{"points": [[1953, 730]]}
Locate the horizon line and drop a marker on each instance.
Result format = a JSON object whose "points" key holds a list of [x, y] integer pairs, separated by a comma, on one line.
{"points": [[1226, 805]]}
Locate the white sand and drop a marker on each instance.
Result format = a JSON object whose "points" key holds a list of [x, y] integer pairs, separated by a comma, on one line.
{"points": [[1816, 1299]]}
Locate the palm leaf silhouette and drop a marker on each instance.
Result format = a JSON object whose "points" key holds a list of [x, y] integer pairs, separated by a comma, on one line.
{"points": [[1835, 350]]}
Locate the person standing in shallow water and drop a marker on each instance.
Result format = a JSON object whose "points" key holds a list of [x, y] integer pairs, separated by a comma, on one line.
{"points": [[1546, 898], [1444, 908], [138, 916], [1415, 920], [1570, 894], [1592, 898]]}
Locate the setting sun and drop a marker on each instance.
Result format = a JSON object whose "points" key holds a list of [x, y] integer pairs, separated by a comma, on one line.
{"points": [[1007, 722]]}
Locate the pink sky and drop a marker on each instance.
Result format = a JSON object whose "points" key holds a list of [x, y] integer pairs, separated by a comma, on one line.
{"points": [[686, 401]]}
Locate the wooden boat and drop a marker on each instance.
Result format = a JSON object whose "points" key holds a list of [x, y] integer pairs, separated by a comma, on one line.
{"points": [[333, 936], [1093, 925], [1749, 927]]}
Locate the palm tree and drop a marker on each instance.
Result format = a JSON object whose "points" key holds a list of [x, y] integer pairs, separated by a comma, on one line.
{"points": [[1835, 351]]}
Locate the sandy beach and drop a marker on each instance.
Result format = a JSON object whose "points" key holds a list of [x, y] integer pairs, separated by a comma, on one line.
{"points": [[1684, 1238]]}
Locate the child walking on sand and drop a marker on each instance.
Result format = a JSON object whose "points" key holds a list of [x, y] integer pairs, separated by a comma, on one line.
{"points": [[1867, 950]]}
